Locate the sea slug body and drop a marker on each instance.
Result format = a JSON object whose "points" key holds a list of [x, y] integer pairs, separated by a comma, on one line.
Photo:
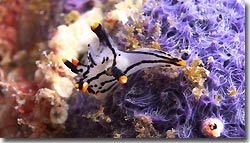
{"points": [[107, 65]]}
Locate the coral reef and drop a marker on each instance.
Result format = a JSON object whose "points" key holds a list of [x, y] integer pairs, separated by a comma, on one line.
{"points": [[203, 99]]}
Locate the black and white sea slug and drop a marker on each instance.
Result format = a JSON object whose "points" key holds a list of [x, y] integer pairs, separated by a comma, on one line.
{"points": [[106, 64]]}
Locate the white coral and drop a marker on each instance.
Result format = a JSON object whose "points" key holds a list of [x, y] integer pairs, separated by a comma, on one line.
{"points": [[73, 39]]}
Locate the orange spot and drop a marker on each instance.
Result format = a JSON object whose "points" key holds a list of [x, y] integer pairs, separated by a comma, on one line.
{"points": [[123, 79], [98, 94], [75, 62], [94, 26], [64, 60], [76, 85], [85, 86], [181, 62]]}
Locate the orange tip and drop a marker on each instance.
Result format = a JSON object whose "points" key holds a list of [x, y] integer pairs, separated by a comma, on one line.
{"points": [[76, 85], [75, 62], [85, 86], [94, 26], [123, 79], [64, 60], [181, 62]]}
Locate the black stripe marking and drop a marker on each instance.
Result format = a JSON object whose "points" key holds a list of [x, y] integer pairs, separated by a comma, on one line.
{"points": [[116, 72], [71, 66], [107, 58], [103, 60], [90, 90], [101, 34], [147, 62], [107, 81], [153, 50], [91, 59], [80, 84], [97, 76], [110, 87], [84, 75], [148, 53], [114, 60]]}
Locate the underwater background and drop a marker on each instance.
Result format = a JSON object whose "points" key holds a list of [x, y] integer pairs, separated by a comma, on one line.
{"points": [[204, 99]]}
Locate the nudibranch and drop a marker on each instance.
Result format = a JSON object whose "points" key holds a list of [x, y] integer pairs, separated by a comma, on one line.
{"points": [[107, 66]]}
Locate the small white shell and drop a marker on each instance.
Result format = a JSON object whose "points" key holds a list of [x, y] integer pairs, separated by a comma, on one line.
{"points": [[58, 115], [212, 127]]}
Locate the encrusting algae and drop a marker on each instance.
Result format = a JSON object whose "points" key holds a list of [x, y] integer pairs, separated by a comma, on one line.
{"points": [[196, 74]]}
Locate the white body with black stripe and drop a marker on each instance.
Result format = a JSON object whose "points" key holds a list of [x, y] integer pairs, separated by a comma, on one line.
{"points": [[101, 80]]}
